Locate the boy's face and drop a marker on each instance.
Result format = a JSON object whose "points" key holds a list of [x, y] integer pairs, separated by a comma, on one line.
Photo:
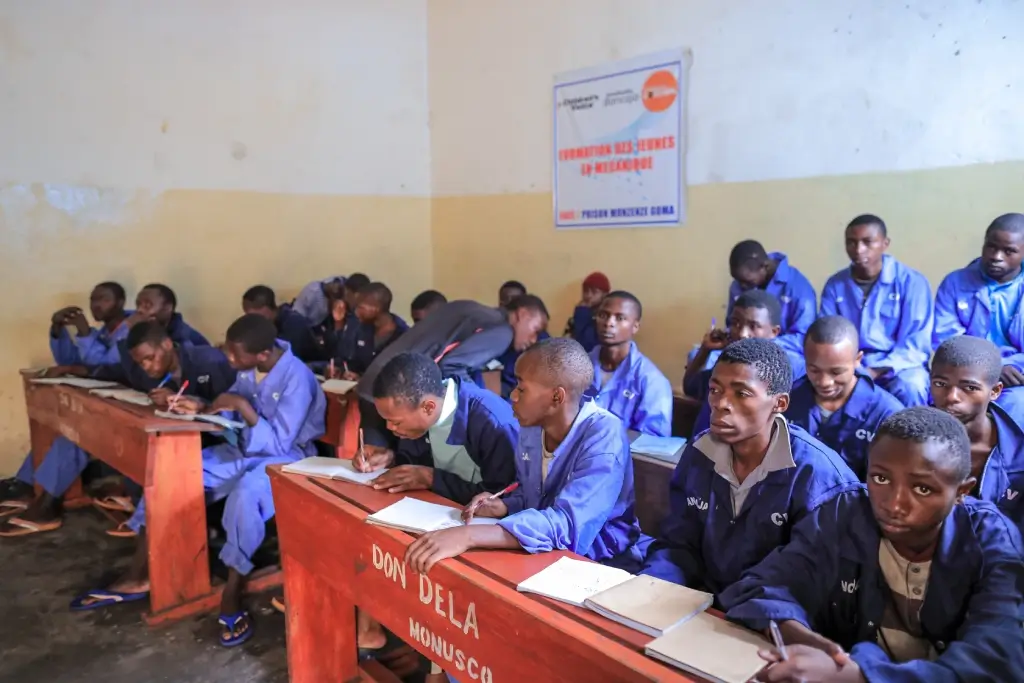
{"points": [[151, 305], [1002, 254], [419, 314], [741, 406], [526, 325], [592, 296], [533, 398], [912, 488], [367, 309], [407, 420], [752, 275], [154, 359], [962, 392], [832, 368], [242, 359], [507, 294], [752, 323], [865, 245], [616, 321], [351, 298], [104, 304], [265, 311]]}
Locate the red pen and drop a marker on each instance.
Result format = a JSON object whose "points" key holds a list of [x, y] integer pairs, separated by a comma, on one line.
{"points": [[170, 404], [508, 489]]}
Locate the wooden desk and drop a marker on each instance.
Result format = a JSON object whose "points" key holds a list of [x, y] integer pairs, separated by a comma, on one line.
{"points": [[341, 423], [466, 615], [164, 457]]}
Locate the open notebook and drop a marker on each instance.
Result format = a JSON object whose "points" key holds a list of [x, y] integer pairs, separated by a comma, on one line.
{"points": [[125, 395], [418, 516], [711, 647], [649, 604], [338, 386], [212, 419], [80, 382], [668, 448], [331, 468], [573, 581]]}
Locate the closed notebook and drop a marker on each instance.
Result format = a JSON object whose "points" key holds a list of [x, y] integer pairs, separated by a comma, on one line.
{"points": [[331, 468], [124, 395], [667, 448], [711, 647], [212, 419], [80, 382], [338, 386], [573, 581], [418, 516], [649, 605]]}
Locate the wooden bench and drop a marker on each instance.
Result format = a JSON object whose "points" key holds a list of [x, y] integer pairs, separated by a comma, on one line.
{"points": [[466, 615], [165, 458]]}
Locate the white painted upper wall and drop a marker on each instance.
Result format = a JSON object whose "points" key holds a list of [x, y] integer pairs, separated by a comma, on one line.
{"points": [[778, 88], [304, 96]]}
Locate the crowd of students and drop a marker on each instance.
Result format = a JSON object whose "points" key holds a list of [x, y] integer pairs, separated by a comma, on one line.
{"points": [[855, 472]]}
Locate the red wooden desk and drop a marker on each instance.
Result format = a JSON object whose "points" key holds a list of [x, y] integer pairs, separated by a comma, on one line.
{"points": [[466, 615], [164, 457]]}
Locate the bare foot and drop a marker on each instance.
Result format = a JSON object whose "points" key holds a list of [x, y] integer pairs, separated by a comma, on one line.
{"points": [[369, 633]]}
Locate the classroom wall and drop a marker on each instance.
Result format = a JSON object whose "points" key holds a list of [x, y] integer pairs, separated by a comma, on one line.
{"points": [[802, 114], [207, 145]]}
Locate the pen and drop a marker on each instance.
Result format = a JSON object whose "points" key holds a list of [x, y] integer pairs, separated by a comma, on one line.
{"points": [[330, 369], [773, 628], [360, 453], [714, 323], [184, 385], [508, 489], [165, 380]]}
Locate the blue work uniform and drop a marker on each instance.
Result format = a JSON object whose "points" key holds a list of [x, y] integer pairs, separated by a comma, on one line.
{"points": [[895, 323], [582, 327], [290, 407], [586, 503], [1002, 479], [181, 332], [96, 348], [296, 329], [971, 607], [706, 542], [331, 343], [311, 303], [508, 366], [635, 392], [798, 299], [964, 305], [362, 347], [479, 433], [849, 430]]}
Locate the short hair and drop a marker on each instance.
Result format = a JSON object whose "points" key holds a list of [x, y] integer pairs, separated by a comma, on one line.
{"points": [[255, 333], [921, 424], [408, 377], [115, 288], [869, 219], [513, 284], [261, 296], [428, 299], [621, 294], [833, 329], [762, 300], [965, 351], [379, 292], [356, 281], [147, 332], [1012, 223], [165, 292], [746, 253], [768, 360], [565, 362], [530, 302]]}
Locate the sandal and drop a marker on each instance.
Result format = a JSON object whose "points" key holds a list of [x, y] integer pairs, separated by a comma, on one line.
{"points": [[277, 602], [12, 507], [122, 530], [99, 599], [237, 628], [115, 504], [16, 526]]}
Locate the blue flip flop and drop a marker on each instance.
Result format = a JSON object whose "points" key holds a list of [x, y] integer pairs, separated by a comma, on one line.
{"points": [[229, 622], [104, 598]]}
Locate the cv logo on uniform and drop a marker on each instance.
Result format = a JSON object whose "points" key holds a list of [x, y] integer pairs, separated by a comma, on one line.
{"points": [[779, 518]]}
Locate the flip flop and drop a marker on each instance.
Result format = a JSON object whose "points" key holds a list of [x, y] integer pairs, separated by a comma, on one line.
{"points": [[278, 604], [99, 599], [122, 530], [12, 507], [16, 526], [115, 504], [231, 622]]}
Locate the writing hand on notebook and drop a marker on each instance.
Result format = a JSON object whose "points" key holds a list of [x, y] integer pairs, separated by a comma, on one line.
{"points": [[187, 405], [161, 397], [806, 664], [484, 505], [373, 458], [405, 478], [431, 548], [795, 633]]}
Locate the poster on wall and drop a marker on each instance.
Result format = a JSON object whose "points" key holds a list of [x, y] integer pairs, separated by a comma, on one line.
{"points": [[619, 143]]}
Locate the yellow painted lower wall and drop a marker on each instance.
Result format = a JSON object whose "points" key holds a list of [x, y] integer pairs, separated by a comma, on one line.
{"points": [[209, 246], [936, 222]]}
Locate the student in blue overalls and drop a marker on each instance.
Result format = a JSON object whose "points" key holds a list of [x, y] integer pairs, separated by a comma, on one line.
{"points": [[753, 268], [150, 357], [425, 303], [291, 326], [924, 585], [751, 482], [508, 293], [836, 402], [984, 299], [626, 383], [890, 304], [965, 384], [581, 326]]}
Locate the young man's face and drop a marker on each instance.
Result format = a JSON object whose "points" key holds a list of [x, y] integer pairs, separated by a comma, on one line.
{"points": [[533, 398], [351, 298], [592, 296], [104, 304], [866, 245], [154, 359], [408, 420], [912, 488], [367, 309], [242, 359], [617, 321], [507, 294], [265, 311], [752, 323], [962, 392], [151, 305], [526, 325], [741, 406], [1002, 254], [832, 368], [753, 275]]}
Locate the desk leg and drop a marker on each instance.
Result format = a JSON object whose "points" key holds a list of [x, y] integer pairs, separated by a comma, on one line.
{"points": [[179, 569], [321, 629], [350, 429]]}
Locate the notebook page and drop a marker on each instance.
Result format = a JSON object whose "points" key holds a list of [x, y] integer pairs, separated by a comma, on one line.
{"points": [[80, 382], [573, 581], [331, 468], [713, 647], [660, 446], [338, 386], [124, 395], [416, 515]]}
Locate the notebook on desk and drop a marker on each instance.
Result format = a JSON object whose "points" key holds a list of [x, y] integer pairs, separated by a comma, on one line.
{"points": [[573, 581], [711, 647], [338, 386], [667, 448], [649, 604], [212, 419], [419, 517], [80, 382], [124, 395], [331, 468]]}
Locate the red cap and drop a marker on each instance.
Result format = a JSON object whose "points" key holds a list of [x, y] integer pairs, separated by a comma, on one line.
{"points": [[597, 281]]}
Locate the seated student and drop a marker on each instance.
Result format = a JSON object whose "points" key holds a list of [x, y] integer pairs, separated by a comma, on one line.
{"points": [[150, 358], [378, 328], [334, 335], [965, 384], [90, 346], [836, 402], [924, 584], [984, 299], [354, 283], [509, 291], [743, 488], [158, 302], [752, 268], [282, 406], [313, 301], [454, 438], [581, 325], [626, 383], [575, 473], [890, 304], [291, 326], [426, 303]]}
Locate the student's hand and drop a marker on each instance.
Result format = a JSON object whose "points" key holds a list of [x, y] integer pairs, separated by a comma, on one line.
{"points": [[795, 633], [807, 665], [373, 458], [187, 405], [715, 339], [483, 506], [228, 403], [135, 318], [350, 376], [66, 371], [60, 317], [1011, 376], [77, 319], [405, 478], [161, 397], [431, 548]]}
